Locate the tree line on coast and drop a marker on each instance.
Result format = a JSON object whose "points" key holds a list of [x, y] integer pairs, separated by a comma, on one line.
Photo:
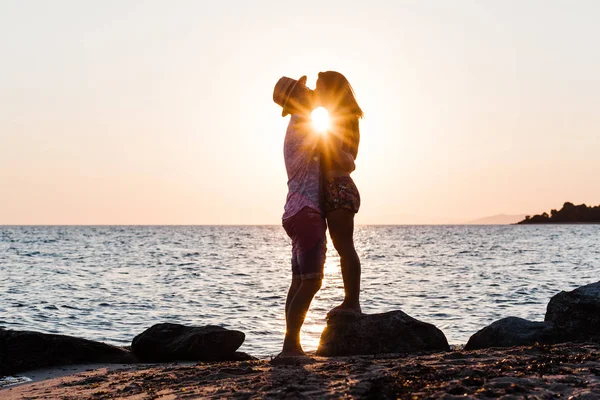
{"points": [[569, 213]]}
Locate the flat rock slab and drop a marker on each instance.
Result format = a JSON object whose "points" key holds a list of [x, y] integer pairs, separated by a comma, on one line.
{"points": [[513, 331], [25, 350], [577, 313], [391, 332], [174, 342]]}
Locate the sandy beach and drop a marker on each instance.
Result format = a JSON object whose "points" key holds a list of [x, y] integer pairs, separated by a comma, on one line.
{"points": [[536, 372]]}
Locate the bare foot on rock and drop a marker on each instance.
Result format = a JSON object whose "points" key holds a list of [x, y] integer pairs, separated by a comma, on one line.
{"points": [[342, 309]]}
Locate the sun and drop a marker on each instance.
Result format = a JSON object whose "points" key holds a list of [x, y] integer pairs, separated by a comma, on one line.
{"points": [[320, 119]]}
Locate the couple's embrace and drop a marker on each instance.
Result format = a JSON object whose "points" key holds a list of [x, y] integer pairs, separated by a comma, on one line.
{"points": [[321, 193]]}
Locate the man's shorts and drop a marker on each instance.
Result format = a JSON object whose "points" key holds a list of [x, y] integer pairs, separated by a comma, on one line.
{"points": [[309, 244]]}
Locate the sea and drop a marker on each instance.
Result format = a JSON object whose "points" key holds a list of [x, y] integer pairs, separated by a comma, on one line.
{"points": [[110, 283]]}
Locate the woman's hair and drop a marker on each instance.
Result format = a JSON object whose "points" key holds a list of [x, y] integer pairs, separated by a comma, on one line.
{"points": [[339, 98]]}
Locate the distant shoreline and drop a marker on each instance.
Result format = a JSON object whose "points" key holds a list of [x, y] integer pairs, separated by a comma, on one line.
{"points": [[568, 214], [558, 223]]}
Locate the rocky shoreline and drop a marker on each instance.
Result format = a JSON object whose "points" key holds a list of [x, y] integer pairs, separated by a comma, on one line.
{"points": [[570, 370], [385, 355]]}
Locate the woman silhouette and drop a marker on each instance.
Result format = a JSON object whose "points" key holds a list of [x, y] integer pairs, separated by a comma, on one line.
{"points": [[341, 197]]}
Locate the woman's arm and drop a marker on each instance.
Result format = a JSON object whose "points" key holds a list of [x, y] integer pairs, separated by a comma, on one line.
{"points": [[347, 161], [340, 157]]}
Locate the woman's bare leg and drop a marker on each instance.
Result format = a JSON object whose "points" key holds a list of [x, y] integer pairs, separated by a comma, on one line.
{"points": [[341, 230]]}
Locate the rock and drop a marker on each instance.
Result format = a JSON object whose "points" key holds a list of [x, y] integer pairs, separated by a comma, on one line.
{"points": [[26, 350], [513, 331], [391, 332], [577, 313], [174, 342]]}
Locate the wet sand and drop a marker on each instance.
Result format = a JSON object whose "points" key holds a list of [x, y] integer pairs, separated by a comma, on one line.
{"points": [[537, 372]]}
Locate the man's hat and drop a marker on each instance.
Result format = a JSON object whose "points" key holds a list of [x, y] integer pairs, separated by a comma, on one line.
{"points": [[284, 90]]}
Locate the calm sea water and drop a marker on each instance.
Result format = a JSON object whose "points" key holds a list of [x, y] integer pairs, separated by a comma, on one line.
{"points": [[111, 283]]}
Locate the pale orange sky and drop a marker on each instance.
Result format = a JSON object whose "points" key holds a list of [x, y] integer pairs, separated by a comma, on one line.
{"points": [[155, 112]]}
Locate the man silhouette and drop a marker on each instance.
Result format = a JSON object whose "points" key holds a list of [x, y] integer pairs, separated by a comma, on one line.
{"points": [[303, 217]]}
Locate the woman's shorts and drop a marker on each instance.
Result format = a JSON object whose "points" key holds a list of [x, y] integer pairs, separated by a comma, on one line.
{"points": [[341, 194]]}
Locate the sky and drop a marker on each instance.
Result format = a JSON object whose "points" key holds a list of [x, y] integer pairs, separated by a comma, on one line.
{"points": [[160, 112]]}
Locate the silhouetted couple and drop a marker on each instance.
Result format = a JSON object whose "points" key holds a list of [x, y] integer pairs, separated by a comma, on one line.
{"points": [[321, 193]]}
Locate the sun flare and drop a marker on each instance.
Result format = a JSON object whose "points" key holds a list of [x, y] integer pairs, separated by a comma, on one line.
{"points": [[320, 119]]}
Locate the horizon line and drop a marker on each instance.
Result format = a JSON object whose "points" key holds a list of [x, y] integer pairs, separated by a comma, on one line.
{"points": [[232, 225]]}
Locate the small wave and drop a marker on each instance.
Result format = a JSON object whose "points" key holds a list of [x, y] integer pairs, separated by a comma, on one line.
{"points": [[13, 380], [276, 297]]}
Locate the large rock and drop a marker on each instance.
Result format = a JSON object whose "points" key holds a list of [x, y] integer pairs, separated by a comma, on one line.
{"points": [[24, 350], [391, 332], [513, 331], [577, 313], [174, 342]]}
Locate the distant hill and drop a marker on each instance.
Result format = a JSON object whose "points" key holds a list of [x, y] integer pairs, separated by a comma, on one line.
{"points": [[568, 214], [499, 219]]}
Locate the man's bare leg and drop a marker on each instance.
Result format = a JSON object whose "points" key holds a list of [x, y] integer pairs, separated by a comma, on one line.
{"points": [[296, 309], [291, 293]]}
